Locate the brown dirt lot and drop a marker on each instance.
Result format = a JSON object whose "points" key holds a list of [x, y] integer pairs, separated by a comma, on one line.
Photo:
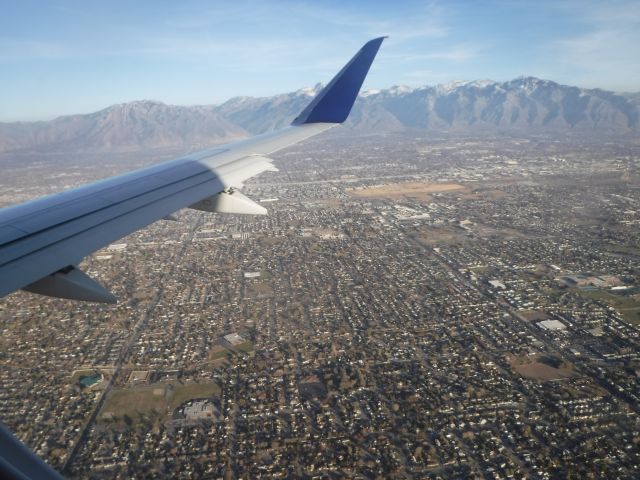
{"points": [[534, 315], [433, 236], [395, 191]]}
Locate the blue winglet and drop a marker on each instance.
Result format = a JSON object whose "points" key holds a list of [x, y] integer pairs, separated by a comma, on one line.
{"points": [[334, 102]]}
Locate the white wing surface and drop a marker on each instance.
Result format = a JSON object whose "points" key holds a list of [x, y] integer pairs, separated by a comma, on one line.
{"points": [[43, 241]]}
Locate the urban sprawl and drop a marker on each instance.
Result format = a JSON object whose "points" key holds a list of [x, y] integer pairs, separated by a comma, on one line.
{"points": [[413, 306]]}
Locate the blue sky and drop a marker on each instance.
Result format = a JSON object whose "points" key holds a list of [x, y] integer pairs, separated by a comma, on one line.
{"points": [[62, 57]]}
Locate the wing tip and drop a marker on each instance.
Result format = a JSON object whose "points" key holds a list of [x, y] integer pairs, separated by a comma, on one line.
{"points": [[333, 104]]}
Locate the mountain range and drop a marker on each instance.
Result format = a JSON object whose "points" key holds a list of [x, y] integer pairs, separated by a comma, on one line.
{"points": [[523, 104]]}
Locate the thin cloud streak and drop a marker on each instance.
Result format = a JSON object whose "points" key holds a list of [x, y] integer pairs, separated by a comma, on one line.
{"points": [[608, 52]]}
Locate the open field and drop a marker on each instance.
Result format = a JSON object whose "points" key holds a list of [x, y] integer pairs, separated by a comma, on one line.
{"points": [[244, 347], [330, 202], [258, 289], [631, 315], [75, 376], [536, 370], [218, 352], [416, 190], [483, 193], [624, 249], [453, 234], [182, 393], [540, 371], [434, 236], [627, 305], [154, 401]]}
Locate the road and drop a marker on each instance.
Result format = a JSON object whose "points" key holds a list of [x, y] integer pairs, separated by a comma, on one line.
{"points": [[127, 348]]}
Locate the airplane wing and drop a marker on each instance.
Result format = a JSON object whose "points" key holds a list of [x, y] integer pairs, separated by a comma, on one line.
{"points": [[43, 241]]}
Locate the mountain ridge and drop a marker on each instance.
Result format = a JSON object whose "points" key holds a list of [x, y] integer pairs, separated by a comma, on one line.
{"points": [[524, 103]]}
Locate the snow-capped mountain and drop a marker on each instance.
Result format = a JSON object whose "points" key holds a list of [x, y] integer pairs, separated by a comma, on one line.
{"points": [[126, 126], [522, 104]]}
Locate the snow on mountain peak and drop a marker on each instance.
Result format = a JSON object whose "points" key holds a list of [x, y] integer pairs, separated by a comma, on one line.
{"points": [[482, 83], [310, 91], [446, 88], [368, 93], [400, 90], [529, 84]]}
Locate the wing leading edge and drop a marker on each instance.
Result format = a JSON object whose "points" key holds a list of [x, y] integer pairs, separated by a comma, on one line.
{"points": [[43, 241]]}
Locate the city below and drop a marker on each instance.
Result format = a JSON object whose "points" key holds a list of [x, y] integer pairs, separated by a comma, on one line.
{"points": [[416, 305]]}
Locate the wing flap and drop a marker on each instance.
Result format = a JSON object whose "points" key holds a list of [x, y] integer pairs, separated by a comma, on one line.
{"points": [[73, 284]]}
